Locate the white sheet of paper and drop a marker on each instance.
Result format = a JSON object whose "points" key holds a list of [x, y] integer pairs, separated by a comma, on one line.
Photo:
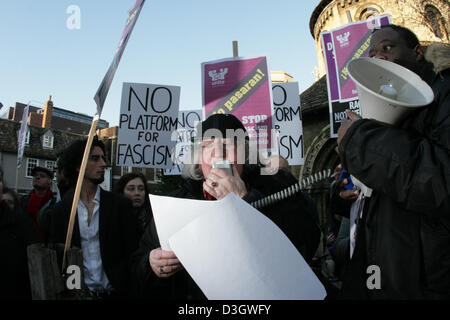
{"points": [[232, 251], [172, 214]]}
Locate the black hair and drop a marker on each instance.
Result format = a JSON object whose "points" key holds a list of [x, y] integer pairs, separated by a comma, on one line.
{"points": [[71, 157], [120, 187], [407, 35], [14, 195]]}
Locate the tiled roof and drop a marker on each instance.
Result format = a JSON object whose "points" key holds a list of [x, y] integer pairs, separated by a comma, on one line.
{"points": [[315, 97], [74, 125], [9, 135]]}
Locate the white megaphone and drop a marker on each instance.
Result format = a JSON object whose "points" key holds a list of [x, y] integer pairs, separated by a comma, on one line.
{"points": [[387, 92]]}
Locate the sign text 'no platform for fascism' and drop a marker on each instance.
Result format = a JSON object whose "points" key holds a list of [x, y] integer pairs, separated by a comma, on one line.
{"points": [[148, 116]]}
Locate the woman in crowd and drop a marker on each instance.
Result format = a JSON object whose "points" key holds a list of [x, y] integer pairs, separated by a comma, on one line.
{"points": [[158, 273], [134, 187], [10, 198]]}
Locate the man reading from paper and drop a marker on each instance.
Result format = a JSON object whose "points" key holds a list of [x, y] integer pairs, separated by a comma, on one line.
{"points": [[157, 272]]}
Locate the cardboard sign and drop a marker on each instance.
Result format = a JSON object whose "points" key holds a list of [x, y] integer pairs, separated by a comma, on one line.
{"points": [[240, 86], [340, 46], [187, 123], [287, 120], [148, 116]]}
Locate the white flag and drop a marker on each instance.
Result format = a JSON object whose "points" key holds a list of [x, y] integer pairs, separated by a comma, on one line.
{"points": [[102, 91], [22, 135]]}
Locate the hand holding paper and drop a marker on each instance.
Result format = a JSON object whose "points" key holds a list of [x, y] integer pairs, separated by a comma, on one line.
{"points": [[251, 257], [164, 263]]}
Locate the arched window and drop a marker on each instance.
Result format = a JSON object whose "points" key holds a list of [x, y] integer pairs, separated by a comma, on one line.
{"points": [[436, 21], [368, 12]]}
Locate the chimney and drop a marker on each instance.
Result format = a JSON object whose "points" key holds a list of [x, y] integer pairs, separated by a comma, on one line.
{"points": [[48, 110]]}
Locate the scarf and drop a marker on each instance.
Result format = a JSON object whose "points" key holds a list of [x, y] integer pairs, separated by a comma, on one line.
{"points": [[35, 203]]}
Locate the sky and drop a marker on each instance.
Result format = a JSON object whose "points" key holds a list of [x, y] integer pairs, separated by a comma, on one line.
{"points": [[40, 56]]}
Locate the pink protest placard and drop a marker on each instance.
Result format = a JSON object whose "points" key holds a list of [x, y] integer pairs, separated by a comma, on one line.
{"points": [[242, 87], [340, 46]]}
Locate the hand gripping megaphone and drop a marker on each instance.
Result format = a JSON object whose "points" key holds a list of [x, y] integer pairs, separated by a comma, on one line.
{"points": [[387, 93]]}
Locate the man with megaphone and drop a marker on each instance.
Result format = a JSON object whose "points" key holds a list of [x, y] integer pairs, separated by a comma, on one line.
{"points": [[403, 232]]}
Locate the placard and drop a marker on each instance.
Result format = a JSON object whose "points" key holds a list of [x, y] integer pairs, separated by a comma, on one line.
{"points": [[340, 46], [187, 125], [240, 86], [287, 120], [148, 116]]}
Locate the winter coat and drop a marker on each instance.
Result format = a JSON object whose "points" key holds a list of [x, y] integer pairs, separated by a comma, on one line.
{"points": [[16, 233], [118, 234], [405, 227]]}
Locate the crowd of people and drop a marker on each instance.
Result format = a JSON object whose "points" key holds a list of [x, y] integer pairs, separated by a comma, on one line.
{"points": [[403, 228]]}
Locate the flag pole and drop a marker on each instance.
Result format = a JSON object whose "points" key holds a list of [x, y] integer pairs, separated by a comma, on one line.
{"points": [[99, 98], [77, 193], [235, 49]]}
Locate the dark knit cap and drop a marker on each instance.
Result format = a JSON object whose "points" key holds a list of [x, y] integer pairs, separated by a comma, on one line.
{"points": [[42, 169], [221, 122]]}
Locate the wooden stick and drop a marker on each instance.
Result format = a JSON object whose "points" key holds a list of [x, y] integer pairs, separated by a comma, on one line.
{"points": [[76, 195], [235, 49]]}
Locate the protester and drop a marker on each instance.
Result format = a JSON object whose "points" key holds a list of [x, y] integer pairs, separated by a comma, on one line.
{"points": [[277, 162], [103, 229], [134, 187], [341, 248], [16, 233], [404, 228], [342, 199], [40, 198], [158, 273], [11, 198], [63, 183]]}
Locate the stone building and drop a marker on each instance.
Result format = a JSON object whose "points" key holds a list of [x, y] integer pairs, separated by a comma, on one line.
{"points": [[428, 19]]}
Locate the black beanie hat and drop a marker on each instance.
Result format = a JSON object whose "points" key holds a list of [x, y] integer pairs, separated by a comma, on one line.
{"points": [[221, 122]]}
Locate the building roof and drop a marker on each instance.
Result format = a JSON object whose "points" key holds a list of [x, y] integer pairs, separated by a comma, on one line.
{"points": [[9, 135], [315, 97], [316, 13], [62, 119]]}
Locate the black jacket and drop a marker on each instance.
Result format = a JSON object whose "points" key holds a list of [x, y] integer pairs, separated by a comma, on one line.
{"points": [[406, 223], [16, 233], [118, 233], [292, 215]]}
